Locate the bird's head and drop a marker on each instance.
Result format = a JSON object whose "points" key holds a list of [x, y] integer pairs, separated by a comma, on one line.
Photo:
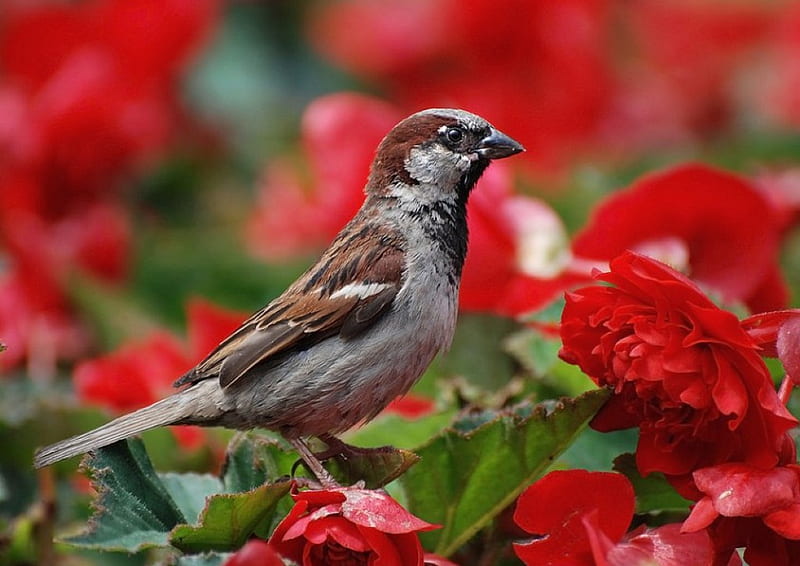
{"points": [[436, 154]]}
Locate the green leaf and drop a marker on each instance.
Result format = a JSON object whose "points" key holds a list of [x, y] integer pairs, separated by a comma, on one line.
{"points": [[134, 510], [475, 469], [654, 494], [228, 519], [374, 466], [138, 508], [189, 491], [245, 463], [594, 450]]}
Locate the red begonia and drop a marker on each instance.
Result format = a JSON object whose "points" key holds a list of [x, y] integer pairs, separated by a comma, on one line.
{"points": [[349, 526], [518, 258], [698, 219], [580, 518], [339, 164], [682, 370], [78, 113], [753, 508]]}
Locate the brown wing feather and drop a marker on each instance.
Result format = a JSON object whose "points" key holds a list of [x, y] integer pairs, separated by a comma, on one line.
{"points": [[310, 310]]}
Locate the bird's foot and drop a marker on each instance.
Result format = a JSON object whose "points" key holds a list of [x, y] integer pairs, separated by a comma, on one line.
{"points": [[325, 478]]}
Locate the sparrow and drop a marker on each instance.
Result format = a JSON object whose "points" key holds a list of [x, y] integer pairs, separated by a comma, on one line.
{"points": [[359, 327]]}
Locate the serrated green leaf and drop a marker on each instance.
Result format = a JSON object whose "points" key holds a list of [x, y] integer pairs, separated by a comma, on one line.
{"points": [[464, 480], [248, 503], [189, 491], [654, 494], [229, 519], [245, 463], [134, 510]]}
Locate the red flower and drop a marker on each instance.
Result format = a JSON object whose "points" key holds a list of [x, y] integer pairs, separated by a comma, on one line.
{"points": [[740, 501], [778, 334], [339, 164], [581, 518], [518, 258], [98, 96], [255, 553], [349, 526], [700, 220], [682, 370], [141, 372]]}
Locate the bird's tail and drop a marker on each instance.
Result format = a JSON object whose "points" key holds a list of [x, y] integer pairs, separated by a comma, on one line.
{"points": [[180, 408]]}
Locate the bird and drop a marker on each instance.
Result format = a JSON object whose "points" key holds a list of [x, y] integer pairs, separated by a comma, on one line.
{"points": [[361, 325]]}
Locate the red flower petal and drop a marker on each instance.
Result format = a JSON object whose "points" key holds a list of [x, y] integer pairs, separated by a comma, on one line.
{"points": [[334, 528], [555, 508], [716, 227], [682, 370], [664, 546], [737, 490], [375, 509], [255, 553]]}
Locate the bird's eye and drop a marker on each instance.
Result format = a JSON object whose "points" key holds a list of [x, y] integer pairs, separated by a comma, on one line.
{"points": [[454, 135]]}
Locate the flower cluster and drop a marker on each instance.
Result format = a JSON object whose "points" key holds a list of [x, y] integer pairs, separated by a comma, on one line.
{"points": [[691, 377], [80, 111]]}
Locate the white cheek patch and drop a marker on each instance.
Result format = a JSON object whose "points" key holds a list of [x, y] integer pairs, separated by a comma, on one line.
{"points": [[436, 164], [360, 290]]}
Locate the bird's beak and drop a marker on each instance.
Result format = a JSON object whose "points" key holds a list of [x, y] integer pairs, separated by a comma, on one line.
{"points": [[498, 145]]}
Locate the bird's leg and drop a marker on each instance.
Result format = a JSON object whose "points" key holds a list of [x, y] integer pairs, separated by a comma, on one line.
{"points": [[324, 477]]}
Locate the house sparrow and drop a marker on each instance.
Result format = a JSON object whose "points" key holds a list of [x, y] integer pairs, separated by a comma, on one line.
{"points": [[358, 328]]}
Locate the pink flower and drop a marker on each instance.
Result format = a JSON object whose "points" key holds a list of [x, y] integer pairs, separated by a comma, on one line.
{"points": [[581, 519]]}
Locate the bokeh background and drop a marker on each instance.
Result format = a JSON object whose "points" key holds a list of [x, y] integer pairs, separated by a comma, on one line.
{"points": [[168, 166]]}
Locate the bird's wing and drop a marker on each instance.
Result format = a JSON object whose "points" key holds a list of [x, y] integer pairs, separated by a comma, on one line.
{"points": [[333, 297]]}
